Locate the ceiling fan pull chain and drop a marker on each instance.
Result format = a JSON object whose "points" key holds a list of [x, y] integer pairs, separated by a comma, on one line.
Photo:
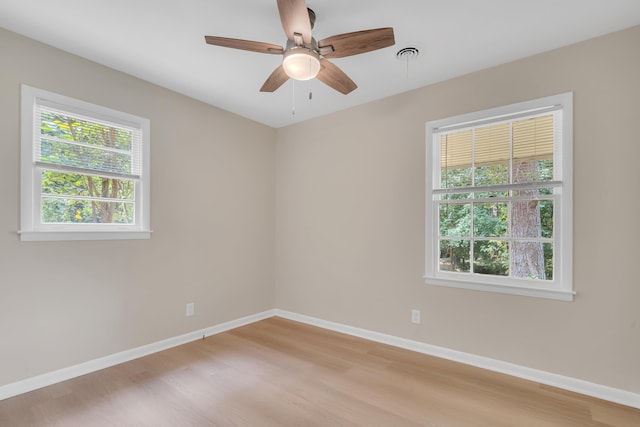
{"points": [[293, 97], [310, 81]]}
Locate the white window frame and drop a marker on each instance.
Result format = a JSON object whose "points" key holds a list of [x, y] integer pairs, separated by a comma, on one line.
{"points": [[561, 286], [31, 226]]}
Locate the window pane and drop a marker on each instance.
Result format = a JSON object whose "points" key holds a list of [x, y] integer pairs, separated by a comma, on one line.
{"points": [[64, 126], [527, 171], [491, 257], [491, 175], [528, 260], [548, 260], [533, 149], [546, 218], [455, 159], [545, 170], [525, 218], [455, 220], [490, 219], [492, 145], [454, 255], [68, 211], [455, 178], [69, 184]]}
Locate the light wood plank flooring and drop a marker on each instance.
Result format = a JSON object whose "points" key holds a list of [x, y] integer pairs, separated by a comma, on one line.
{"points": [[281, 373]]}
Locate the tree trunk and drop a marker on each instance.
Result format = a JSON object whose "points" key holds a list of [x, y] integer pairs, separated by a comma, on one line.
{"points": [[93, 193], [108, 208], [527, 258]]}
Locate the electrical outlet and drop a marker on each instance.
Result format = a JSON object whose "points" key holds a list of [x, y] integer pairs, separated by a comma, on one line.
{"points": [[191, 309], [415, 316]]}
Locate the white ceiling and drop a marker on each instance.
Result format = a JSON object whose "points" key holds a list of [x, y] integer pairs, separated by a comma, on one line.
{"points": [[162, 41]]}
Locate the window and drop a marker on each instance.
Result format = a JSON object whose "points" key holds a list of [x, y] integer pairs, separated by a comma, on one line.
{"points": [[498, 214], [84, 170]]}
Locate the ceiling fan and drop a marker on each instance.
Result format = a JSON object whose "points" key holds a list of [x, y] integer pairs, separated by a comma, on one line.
{"points": [[306, 58]]}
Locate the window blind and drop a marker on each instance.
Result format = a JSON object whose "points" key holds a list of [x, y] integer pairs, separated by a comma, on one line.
{"points": [[70, 142], [515, 140]]}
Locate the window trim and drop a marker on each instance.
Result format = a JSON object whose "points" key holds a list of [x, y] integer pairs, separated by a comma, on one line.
{"points": [[562, 284], [31, 229]]}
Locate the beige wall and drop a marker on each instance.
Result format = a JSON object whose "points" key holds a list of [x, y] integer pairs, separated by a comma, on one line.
{"points": [[62, 303], [350, 219], [346, 195]]}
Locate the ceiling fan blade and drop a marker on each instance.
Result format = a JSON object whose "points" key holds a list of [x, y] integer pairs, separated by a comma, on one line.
{"points": [[295, 19], [349, 44], [245, 45], [335, 78], [275, 80]]}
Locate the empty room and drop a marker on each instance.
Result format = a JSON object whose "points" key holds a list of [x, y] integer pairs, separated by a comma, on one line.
{"points": [[319, 213]]}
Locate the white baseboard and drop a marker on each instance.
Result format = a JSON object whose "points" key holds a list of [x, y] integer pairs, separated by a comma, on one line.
{"points": [[611, 394], [64, 374], [572, 384]]}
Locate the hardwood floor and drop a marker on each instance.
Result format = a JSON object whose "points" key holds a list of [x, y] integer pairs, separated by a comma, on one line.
{"points": [[281, 373]]}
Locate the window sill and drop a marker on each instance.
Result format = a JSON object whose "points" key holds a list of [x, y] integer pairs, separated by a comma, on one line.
{"points": [[60, 235], [555, 294]]}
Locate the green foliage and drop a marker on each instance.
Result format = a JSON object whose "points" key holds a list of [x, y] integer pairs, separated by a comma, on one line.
{"points": [[454, 255], [490, 219], [490, 222], [455, 220], [83, 211], [492, 175], [452, 178], [491, 257], [548, 260]]}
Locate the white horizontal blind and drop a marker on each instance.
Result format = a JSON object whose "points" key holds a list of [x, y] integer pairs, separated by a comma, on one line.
{"points": [[69, 142]]}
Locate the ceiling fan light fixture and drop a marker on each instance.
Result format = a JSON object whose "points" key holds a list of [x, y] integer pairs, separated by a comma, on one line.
{"points": [[301, 63]]}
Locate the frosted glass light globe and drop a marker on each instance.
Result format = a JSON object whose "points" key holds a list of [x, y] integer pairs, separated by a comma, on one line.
{"points": [[301, 63]]}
